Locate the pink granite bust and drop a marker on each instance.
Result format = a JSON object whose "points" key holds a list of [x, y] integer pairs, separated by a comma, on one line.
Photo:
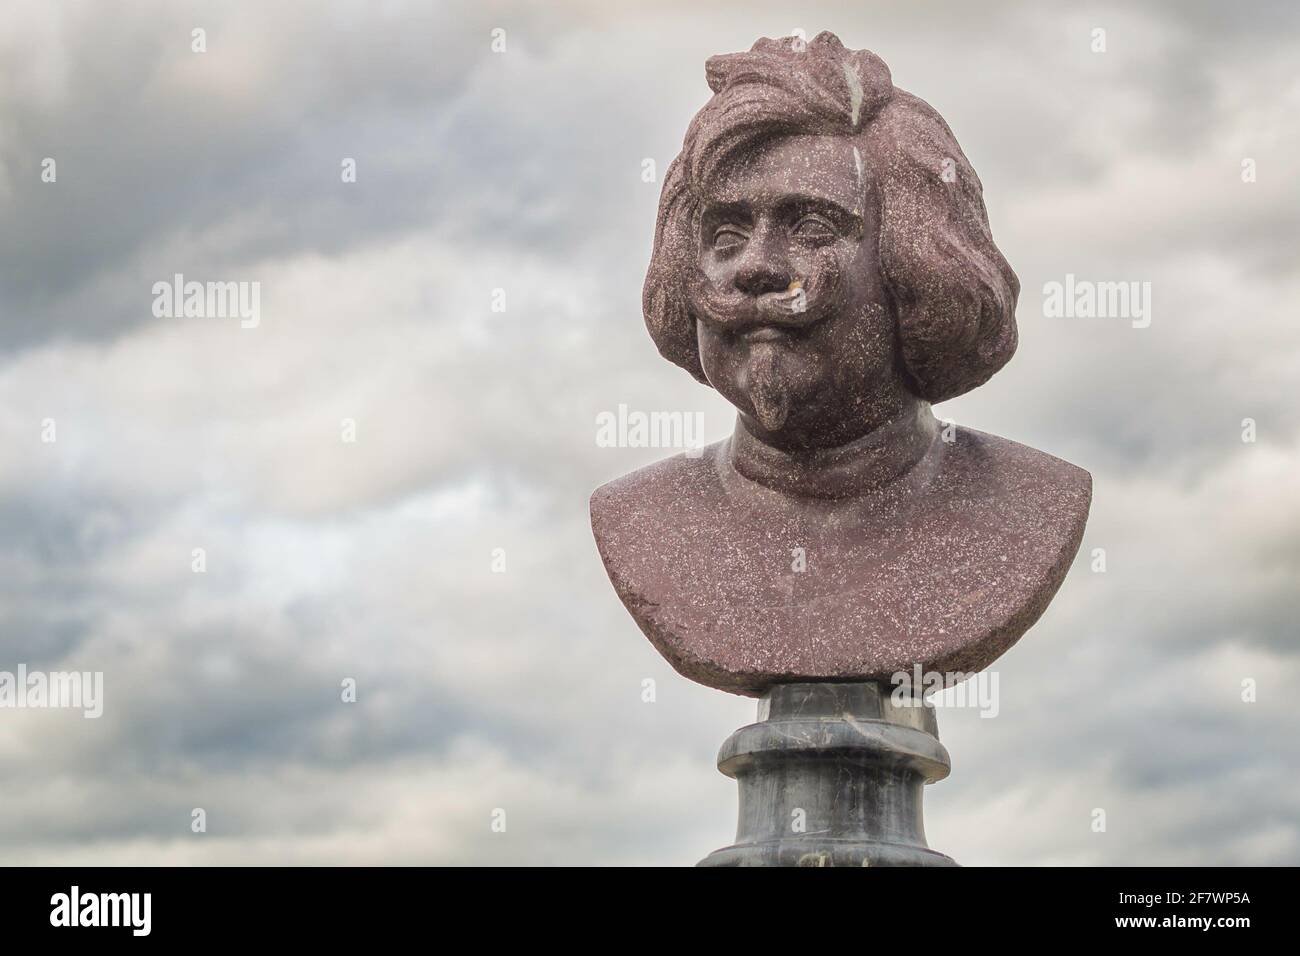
{"points": [[823, 259]]}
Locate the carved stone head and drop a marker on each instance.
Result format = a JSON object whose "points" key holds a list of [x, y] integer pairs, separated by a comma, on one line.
{"points": [[822, 254]]}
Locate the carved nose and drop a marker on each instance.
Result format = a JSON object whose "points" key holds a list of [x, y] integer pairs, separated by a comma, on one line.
{"points": [[763, 269]]}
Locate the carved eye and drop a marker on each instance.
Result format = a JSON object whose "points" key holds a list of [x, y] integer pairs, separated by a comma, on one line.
{"points": [[728, 237], [814, 227]]}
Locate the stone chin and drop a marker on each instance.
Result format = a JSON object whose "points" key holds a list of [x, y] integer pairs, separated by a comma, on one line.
{"points": [[766, 385], [945, 567]]}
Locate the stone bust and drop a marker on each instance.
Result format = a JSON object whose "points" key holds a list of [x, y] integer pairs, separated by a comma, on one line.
{"points": [[823, 259]]}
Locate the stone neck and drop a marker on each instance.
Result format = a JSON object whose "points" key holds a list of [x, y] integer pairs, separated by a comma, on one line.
{"points": [[867, 464]]}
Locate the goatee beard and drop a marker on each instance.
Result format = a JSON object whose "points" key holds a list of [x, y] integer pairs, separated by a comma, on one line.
{"points": [[766, 387]]}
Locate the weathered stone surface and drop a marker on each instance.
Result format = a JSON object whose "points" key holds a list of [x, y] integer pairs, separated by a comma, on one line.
{"points": [[823, 259], [946, 567]]}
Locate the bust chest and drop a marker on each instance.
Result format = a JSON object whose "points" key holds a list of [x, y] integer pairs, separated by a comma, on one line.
{"points": [[738, 591]]}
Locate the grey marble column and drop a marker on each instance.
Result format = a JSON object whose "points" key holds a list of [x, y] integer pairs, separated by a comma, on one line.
{"points": [[832, 775]]}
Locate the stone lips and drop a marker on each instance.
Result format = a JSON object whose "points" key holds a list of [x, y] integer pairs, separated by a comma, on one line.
{"points": [[946, 571]]}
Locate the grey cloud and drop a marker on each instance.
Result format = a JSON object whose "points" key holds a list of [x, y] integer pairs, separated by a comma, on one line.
{"points": [[523, 690]]}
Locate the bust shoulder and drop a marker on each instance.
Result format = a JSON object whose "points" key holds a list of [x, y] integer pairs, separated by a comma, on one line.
{"points": [[948, 576]]}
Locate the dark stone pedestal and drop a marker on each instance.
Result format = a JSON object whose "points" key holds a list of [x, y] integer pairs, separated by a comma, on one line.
{"points": [[832, 775]]}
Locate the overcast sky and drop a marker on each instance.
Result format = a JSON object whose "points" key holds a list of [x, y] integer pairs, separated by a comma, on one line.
{"points": [[475, 430]]}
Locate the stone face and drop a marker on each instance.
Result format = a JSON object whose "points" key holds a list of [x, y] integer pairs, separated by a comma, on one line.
{"points": [[823, 259]]}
